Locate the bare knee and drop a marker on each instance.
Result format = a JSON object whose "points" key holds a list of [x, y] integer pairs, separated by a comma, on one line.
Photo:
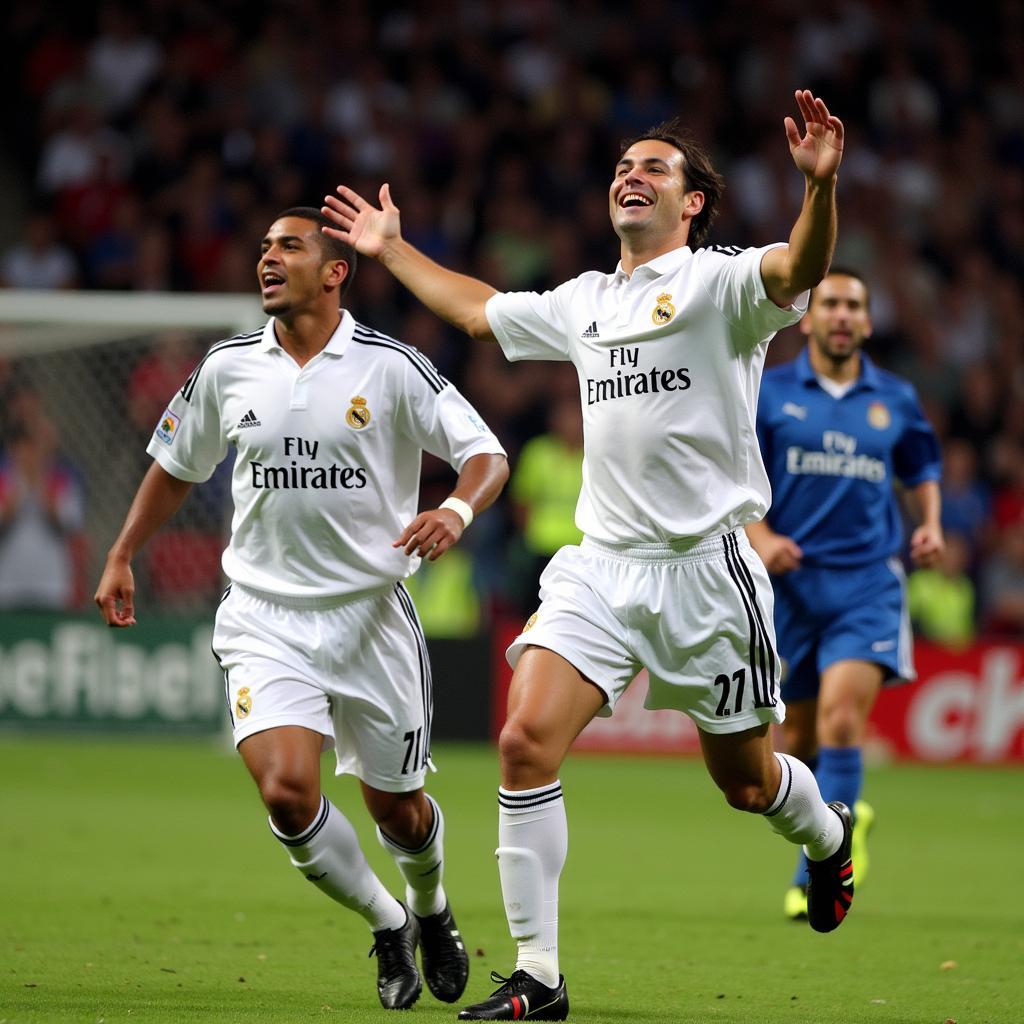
{"points": [[526, 761], [744, 795], [291, 801], [404, 817], [842, 727]]}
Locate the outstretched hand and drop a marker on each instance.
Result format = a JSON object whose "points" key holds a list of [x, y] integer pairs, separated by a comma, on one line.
{"points": [[819, 152], [366, 228]]}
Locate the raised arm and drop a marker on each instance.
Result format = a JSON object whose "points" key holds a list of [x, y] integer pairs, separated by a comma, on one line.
{"points": [[377, 232], [789, 270], [159, 496]]}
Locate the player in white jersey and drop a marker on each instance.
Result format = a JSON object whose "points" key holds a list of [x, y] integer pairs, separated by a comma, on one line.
{"points": [[318, 638], [669, 351]]}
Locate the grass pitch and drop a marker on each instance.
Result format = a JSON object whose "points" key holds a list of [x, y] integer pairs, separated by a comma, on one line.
{"points": [[139, 883]]}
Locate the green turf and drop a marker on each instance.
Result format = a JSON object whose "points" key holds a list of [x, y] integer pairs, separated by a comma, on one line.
{"points": [[139, 883]]}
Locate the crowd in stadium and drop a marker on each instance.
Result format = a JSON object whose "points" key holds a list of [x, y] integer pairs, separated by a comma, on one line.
{"points": [[153, 143]]}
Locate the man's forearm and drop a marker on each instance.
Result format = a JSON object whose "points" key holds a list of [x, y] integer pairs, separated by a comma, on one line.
{"points": [[454, 297], [159, 496], [481, 481], [813, 238], [928, 499]]}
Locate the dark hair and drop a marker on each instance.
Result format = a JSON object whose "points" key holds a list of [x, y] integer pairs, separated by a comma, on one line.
{"points": [[699, 174], [330, 248], [841, 271]]}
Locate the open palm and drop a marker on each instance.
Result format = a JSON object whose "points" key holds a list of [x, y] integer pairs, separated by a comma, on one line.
{"points": [[818, 153], [367, 228]]}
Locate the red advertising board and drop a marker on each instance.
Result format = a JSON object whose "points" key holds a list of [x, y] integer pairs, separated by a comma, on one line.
{"points": [[964, 706]]}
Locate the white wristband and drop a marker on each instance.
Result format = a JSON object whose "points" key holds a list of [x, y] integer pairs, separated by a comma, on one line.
{"points": [[460, 506]]}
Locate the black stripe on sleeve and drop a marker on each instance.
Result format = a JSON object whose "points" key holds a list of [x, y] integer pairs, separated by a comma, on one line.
{"points": [[423, 366], [239, 341]]}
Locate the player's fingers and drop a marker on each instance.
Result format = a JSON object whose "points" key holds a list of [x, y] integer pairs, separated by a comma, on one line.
{"points": [[385, 198], [805, 102], [837, 127], [407, 534], [792, 135], [352, 198], [438, 550], [821, 110]]}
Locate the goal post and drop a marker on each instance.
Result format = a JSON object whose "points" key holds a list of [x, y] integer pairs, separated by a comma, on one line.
{"points": [[101, 367]]}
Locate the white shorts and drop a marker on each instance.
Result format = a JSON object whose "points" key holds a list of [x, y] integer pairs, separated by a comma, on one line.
{"points": [[699, 621], [356, 672]]}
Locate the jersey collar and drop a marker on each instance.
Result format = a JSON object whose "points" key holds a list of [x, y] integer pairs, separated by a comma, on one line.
{"points": [[660, 265], [336, 344], [869, 376]]}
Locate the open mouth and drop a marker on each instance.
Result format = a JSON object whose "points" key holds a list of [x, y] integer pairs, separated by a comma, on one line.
{"points": [[632, 200], [271, 282]]}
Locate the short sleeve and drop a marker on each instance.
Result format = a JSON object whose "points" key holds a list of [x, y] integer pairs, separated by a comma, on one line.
{"points": [[189, 441], [441, 421], [530, 325], [917, 456], [732, 279]]}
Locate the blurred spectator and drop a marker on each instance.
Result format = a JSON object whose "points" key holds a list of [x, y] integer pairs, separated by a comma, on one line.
{"points": [[941, 600], [966, 500], [156, 377], [545, 487], [39, 261], [73, 155], [161, 134], [41, 517], [122, 60], [1002, 583]]}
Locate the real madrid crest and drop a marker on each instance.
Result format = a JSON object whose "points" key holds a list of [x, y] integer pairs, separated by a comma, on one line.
{"points": [[664, 310], [358, 415], [529, 622], [243, 705], [879, 416]]}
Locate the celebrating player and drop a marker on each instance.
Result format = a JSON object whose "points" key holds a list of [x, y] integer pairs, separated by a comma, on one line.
{"points": [[835, 433], [668, 350], [318, 638]]}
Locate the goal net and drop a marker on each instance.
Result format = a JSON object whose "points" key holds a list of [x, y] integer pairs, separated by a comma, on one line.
{"points": [[88, 374]]}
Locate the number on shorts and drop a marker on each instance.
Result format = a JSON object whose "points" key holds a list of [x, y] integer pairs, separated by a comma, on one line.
{"points": [[412, 750], [739, 678]]}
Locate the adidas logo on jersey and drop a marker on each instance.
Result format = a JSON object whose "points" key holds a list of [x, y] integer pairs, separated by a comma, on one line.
{"points": [[591, 331], [249, 420]]}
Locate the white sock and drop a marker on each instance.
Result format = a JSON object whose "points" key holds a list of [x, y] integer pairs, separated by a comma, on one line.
{"points": [[328, 854], [533, 838], [422, 868], [800, 815]]}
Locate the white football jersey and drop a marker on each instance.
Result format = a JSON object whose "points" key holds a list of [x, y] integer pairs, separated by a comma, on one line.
{"points": [[327, 468], [669, 362]]}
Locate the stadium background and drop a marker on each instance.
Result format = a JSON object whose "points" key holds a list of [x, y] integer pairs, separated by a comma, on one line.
{"points": [[147, 147], [150, 144]]}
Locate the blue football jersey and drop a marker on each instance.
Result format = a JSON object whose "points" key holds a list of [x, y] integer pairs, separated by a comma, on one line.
{"points": [[832, 462]]}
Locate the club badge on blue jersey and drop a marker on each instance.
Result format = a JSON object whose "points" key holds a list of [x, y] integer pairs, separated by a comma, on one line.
{"points": [[879, 416]]}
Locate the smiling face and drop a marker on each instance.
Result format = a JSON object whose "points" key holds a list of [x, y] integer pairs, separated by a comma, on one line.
{"points": [[837, 322], [293, 272], [647, 200]]}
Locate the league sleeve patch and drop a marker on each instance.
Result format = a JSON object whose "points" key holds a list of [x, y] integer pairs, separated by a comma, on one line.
{"points": [[168, 427]]}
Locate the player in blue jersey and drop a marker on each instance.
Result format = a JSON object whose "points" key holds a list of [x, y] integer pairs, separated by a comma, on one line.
{"points": [[837, 433]]}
